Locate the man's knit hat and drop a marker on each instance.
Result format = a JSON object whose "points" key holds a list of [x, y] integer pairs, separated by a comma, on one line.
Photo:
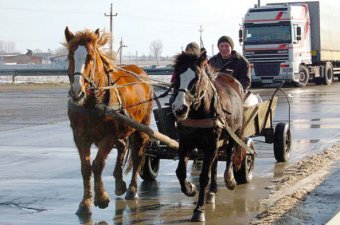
{"points": [[226, 39]]}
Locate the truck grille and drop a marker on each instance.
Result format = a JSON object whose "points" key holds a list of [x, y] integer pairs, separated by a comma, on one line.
{"points": [[267, 69], [267, 55]]}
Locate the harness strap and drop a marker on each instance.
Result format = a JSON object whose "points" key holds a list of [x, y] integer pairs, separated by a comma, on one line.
{"points": [[118, 107], [199, 123], [211, 123], [239, 141]]}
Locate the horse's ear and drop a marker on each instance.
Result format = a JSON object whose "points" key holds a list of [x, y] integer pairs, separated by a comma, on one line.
{"points": [[68, 34], [97, 32], [202, 56]]}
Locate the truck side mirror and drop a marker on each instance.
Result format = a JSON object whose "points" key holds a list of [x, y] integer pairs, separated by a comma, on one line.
{"points": [[240, 36], [298, 33]]}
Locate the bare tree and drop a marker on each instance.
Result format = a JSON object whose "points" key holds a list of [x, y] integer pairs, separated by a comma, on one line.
{"points": [[7, 47], [60, 51], [37, 50], [156, 48]]}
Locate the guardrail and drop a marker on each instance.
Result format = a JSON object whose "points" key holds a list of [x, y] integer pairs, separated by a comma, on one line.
{"points": [[61, 72]]}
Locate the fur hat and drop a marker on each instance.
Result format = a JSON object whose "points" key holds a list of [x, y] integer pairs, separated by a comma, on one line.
{"points": [[193, 48], [226, 39]]}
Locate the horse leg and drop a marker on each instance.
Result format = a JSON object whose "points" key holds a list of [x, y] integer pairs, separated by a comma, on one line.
{"points": [[211, 195], [118, 171], [84, 208], [138, 139], [229, 179], [188, 188], [102, 198], [209, 157]]}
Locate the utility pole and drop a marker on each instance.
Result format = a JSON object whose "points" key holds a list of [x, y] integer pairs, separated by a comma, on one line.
{"points": [[111, 15], [137, 58], [258, 3], [120, 50], [212, 50], [201, 40]]}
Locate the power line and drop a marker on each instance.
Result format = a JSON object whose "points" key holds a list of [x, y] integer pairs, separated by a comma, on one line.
{"points": [[49, 11]]}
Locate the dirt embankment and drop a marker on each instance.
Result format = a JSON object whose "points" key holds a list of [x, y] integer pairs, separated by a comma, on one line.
{"points": [[297, 182]]}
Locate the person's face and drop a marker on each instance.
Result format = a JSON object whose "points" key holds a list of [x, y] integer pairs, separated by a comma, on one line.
{"points": [[225, 49]]}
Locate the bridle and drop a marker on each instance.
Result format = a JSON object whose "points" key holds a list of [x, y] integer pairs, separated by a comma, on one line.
{"points": [[197, 97], [89, 79]]}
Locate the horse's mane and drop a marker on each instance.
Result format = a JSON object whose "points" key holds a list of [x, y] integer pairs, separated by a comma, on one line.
{"points": [[189, 59], [88, 37], [183, 59]]}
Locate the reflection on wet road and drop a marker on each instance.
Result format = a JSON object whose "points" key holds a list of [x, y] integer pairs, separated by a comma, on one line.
{"points": [[40, 180]]}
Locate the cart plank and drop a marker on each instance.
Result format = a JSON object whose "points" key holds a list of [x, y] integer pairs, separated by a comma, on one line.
{"points": [[255, 117]]}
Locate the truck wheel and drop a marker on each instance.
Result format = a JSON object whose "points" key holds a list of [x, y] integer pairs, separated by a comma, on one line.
{"points": [[303, 77], [245, 173], [282, 142], [149, 170], [328, 79]]}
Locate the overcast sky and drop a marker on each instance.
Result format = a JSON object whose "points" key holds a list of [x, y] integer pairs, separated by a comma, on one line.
{"points": [[40, 24]]}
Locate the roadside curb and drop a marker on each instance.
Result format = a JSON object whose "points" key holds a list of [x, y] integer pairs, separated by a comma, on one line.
{"points": [[298, 181], [335, 220]]}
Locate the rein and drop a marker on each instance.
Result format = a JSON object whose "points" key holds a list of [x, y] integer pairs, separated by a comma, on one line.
{"points": [[94, 87]]}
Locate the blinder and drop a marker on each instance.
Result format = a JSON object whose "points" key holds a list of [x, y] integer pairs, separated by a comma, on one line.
{"points": [[195, 98]]}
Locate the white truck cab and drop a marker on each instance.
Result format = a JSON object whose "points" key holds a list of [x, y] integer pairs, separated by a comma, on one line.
{"points": [[283, 43]]}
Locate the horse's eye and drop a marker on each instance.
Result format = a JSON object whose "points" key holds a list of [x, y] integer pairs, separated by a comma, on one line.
{"points": [[89, 57]]}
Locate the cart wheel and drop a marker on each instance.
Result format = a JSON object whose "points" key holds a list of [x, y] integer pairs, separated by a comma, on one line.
{"points": [[282, 141], [245, 173], [150, 169]]}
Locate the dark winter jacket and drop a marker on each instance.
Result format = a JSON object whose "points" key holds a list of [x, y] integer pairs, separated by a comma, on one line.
{"points": [[236, 65]]}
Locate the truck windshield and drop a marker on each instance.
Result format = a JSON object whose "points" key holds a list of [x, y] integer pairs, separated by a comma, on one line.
{"points": [[267, 33]]}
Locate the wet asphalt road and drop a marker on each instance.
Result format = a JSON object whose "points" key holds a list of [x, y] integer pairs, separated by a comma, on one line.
{"points": [[40, 180]]}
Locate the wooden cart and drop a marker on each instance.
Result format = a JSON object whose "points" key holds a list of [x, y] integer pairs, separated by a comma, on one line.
{"points": [[258, 122]]}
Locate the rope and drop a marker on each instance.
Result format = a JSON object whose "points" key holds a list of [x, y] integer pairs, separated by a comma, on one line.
{"points": [[151, 99], [143, 78]]}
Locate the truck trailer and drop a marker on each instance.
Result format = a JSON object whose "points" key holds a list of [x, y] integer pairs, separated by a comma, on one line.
{"points": [[296, 42]]}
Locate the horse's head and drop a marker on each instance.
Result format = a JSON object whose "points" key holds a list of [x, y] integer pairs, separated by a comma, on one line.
{"points": [[85, 62], [190, 71]]}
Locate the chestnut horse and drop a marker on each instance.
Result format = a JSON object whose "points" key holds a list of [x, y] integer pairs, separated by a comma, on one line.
{"points": [[206, 103], [90, 71]]}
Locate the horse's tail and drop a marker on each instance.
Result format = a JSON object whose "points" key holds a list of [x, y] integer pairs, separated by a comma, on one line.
{"points": [[239, 153], [128, 163], [128, 160]]}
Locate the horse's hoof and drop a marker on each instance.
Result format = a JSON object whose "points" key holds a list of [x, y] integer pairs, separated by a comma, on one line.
{"points": [[198, 216], [210, 198], [84, 210], [230, 183], [120, 188], [103, 201], [229, 180], [131, 195], [190, 190]]}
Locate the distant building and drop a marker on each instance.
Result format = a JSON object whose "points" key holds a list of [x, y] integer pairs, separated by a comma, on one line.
{"points": [[45, 56], [59, 62], [27, 58]]}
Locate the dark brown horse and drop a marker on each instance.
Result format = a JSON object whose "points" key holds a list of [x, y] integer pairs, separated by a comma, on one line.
{"points": [[206, 102], [90, 71]]}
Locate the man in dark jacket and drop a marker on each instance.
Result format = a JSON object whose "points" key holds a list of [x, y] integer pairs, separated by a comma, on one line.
{"points": [[231, 62]]}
